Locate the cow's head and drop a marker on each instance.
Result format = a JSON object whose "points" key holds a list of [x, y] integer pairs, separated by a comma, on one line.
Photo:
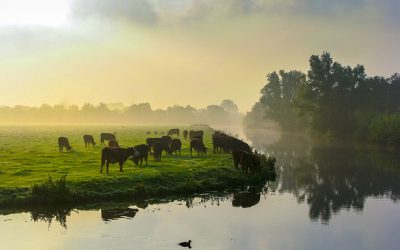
{"points": [[135, 158]]}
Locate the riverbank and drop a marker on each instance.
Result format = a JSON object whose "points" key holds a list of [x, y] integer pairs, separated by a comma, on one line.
{"points": [[30, 156]]}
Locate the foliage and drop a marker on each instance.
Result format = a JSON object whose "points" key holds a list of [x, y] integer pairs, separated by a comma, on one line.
{"points": [[141, 113], [336, 100], [385, 128], [51, 192]]}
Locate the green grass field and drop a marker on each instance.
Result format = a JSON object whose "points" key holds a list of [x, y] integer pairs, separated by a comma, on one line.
{"points": [[29, 155]]}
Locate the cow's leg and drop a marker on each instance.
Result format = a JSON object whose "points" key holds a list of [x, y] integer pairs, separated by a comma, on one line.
{"points": [[107, 164], [120, 166]]}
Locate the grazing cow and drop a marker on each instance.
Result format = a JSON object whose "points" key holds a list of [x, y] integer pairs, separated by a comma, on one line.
{"points": [[166, 143], [148, 132], [173, 131], [197, 145], [250, 162], [176, 146], [151, 141], [63, 142], [226, 143], [196, 135], [142, 152], [185, 134], [237, 156], [114, 155], [155, 132], [157, 151], [88, 139], [107, 137], [113, 144]]}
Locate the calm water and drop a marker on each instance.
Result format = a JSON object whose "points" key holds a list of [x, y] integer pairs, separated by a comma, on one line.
{"points": [[327, 196]]}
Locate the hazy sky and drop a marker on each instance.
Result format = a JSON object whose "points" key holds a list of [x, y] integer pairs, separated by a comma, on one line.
{"points": [[194, 52]]}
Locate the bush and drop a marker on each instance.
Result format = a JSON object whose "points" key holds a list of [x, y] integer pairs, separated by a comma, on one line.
{"points": [[52, 192], [385, 128]]}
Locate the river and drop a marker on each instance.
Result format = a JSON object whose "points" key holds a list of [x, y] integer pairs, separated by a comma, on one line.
{"points": [[327, 196]]}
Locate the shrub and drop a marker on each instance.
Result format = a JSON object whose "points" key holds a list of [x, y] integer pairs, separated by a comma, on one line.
{"points": [[52, 192]]}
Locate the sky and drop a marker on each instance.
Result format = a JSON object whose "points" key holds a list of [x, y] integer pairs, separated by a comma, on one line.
{"points": [[186, 52]]}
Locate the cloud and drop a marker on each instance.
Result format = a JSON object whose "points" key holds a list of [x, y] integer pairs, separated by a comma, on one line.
{"points": [[137, 11]]}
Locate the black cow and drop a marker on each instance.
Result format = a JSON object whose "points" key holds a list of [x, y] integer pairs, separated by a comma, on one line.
{"points": [[173, 131], [157, 151], [142, 152], [113, 144], [185, 134], [250, 162], [151, 141], [63, 142], [176, 146], [107, 137], [88, 139], [114, 155], [237, 156], [197, 145], [196, 135]]}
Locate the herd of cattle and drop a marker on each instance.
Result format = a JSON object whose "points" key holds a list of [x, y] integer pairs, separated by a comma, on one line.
{"points": [[222, 143]]}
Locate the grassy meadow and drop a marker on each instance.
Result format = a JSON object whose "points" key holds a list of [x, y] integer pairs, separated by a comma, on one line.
{"points": [[29, 155]]}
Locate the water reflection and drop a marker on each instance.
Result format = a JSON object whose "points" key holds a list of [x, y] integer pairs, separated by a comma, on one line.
{"points": [[108, 214], [49, 215], [333, 176]]}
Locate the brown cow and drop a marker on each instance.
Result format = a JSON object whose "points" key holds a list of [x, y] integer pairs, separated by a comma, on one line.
{"points": [[107, 137], [176, 146], [173, 131], [198, 145], [114, 155], [88, 139], [250, 162], [113, 144], [157, 151], [237, 156], [196, 135], [141, 152], [63, 142]]}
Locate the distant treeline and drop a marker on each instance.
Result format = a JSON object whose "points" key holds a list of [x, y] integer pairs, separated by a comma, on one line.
{"points": [[332, 99], [225, 113]]}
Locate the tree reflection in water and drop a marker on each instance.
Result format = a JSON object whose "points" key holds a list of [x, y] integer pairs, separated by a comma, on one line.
{"points": [[333, 176]]}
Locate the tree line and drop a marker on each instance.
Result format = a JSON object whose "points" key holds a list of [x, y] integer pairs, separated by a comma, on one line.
{"points": [[142, 113], [334, 100]]}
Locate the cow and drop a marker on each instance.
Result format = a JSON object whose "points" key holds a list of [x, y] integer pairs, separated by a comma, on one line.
{"points": [[196, 134], [114, 155], [141, 152], [157, 151], [226, 143], [250, 162], [197, 145], [173, 131], [63, 142], [237, 156], [113, 144], [176, 146], [107, 137], [155, 132], [148, 132], [185, 134], [166, 143], [88, 139], [151, 141]]}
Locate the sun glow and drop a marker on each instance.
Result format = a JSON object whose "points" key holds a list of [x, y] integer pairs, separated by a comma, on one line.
{"points": [[34, 13]]}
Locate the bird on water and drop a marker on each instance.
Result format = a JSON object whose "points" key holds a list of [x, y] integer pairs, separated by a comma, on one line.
{"points": [[186, 244]]}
